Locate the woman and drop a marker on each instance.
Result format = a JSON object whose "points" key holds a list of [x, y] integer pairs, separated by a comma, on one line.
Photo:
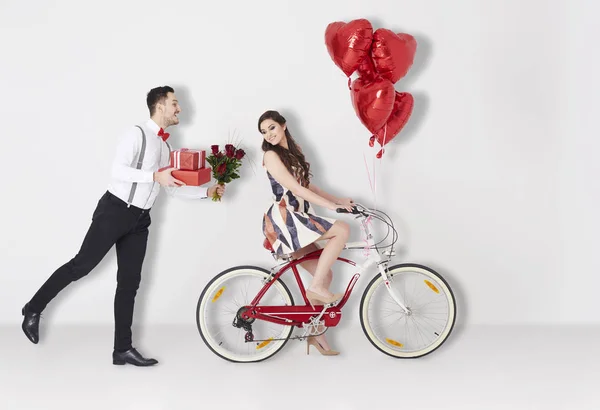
{"points": [[290, 224]]}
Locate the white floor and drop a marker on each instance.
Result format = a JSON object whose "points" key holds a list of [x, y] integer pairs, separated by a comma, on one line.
{"points": [[496, 367]]}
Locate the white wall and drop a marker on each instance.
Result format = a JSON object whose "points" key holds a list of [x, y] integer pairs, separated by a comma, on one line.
{"points": [[493, 182], [580, 190]]}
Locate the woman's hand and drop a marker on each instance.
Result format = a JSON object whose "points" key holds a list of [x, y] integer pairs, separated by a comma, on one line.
{"points": [[346, 203], [333, 206]]}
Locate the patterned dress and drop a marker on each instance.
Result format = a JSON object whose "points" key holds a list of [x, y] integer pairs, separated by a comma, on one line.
{"points": [[290, 222]]}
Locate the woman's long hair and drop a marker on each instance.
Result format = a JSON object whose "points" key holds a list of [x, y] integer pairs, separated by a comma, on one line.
{"points": [[292, 158]]}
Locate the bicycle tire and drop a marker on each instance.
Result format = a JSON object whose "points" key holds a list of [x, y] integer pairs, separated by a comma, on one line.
{"points": [[376, 281], [201, 301]]}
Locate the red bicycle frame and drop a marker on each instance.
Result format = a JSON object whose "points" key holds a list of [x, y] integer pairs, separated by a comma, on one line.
{"points": [[296, 315]]}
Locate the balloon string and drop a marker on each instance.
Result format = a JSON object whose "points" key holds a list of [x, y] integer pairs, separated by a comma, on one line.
{"points": [[374, 185], [380, 161], [369, 175], [349, 83]]}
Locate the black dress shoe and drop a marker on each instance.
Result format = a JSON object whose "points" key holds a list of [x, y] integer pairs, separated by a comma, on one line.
{"points": [[31, 324], [133, 357]]}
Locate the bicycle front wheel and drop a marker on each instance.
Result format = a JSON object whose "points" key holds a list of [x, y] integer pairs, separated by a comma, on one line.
{"points": [[218, 308], [431, 317]]}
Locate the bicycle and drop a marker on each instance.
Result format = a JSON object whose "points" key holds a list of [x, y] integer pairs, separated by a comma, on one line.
{"points": [[228, 307]]}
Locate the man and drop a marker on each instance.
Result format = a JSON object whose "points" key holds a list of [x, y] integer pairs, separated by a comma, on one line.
{"points": [[122, 218]]}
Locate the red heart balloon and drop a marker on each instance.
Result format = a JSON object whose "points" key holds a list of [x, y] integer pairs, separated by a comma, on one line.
{"points": [[393, 54], [348, 43], [403, 106], [366, 68], [373, 101]]}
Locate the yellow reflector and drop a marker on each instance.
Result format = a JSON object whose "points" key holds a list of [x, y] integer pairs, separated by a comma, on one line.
{"points": [[218, 294], [432, 286], [263, 344], [394, 343]]}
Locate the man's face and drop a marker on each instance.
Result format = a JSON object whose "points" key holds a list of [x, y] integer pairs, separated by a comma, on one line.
{"points": [[170, 109]]}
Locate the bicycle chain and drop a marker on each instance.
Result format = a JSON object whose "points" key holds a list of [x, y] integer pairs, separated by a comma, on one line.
{"points": [[289, 338], [311, 323]]}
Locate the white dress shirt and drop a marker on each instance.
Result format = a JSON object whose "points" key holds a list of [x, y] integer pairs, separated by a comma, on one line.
{"points": [[157, 155]]}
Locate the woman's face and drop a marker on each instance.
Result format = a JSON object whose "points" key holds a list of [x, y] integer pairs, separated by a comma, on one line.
{"points": [[272, 132]]}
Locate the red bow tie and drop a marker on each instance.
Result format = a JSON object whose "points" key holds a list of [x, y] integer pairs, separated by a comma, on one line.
{"points": [[164, 135]]}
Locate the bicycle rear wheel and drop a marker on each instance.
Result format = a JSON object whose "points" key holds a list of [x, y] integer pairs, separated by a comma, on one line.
{"points": [[219, 304], [430, 321]]}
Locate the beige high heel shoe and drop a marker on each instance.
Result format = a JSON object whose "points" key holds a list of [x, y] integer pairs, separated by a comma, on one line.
{"points": [[311, 341], [315, 298]]}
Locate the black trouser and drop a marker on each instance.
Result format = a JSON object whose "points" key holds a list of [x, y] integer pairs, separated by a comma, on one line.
{"points": [[112, 223]]}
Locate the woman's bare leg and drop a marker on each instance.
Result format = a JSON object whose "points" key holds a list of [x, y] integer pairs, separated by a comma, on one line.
{"points": [[311, 267], [337, 237], [320, 269]]}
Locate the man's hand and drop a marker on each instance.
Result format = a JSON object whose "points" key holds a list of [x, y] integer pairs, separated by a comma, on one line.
{"points": [[220, 189], [165, 178]]}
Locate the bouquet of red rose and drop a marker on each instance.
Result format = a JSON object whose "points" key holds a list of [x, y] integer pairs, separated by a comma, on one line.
{"points": [[225, 165]]}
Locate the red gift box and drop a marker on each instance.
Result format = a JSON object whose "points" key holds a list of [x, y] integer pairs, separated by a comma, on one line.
{"points": [[185, 159], [193, 178], [201, 156]]}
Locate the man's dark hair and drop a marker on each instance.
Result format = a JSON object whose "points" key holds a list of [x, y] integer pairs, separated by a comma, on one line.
{"points": [[157, 95]]}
